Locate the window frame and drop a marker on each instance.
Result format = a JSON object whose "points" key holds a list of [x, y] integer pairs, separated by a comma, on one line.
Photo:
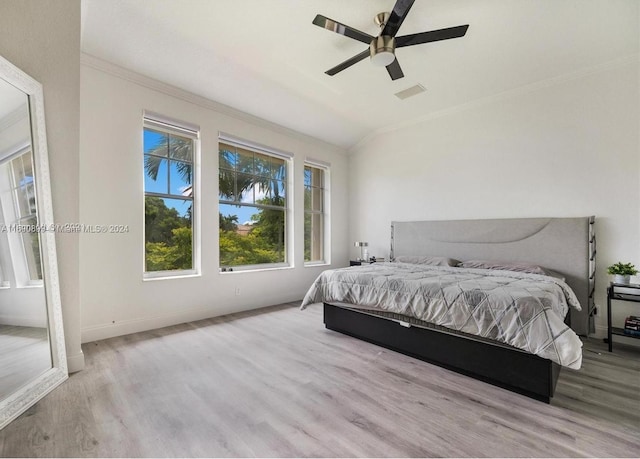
{"points": [[31, 263], [5, 253], [170, 126], [325, 212], [287, 157], [22, 264]]}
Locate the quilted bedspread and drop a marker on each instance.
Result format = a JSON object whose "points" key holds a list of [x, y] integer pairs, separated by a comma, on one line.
{"points": [[523, 310]]}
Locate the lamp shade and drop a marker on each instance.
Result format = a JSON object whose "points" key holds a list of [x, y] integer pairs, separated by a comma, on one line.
{"points": [[363, 250]]}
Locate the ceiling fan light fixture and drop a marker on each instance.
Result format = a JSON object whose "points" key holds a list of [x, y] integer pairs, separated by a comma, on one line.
{"points": [[381, 50]]}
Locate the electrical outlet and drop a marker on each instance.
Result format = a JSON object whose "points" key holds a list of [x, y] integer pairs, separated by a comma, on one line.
{"points": [[237, 291]]}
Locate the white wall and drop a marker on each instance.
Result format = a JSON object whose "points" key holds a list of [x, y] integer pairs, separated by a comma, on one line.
{"points": [[42, 37], [23, 307], [565, 148], [115, 299]]}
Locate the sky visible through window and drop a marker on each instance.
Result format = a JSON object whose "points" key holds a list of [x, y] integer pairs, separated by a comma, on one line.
{"points": [[151, 140], [244, 213]]}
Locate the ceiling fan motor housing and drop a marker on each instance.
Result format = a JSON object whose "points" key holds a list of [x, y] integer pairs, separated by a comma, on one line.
{"points": [[382, 50]]}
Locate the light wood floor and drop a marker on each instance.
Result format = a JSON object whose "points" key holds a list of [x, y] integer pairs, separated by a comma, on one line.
{"points": [[277, 383], [24, 355]]}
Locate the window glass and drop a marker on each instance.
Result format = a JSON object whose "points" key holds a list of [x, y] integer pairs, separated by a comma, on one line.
{"points": [[252, 202], [169, 199], [314, 213], [24, 240]]}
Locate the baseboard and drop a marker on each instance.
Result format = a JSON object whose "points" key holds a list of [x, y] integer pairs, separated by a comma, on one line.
{"points": [[75, 362], [601, 333], [23, 321], [111, 330]]}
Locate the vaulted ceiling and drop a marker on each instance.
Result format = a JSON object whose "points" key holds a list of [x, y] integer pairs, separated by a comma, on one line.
{"points": [[266, 58]]}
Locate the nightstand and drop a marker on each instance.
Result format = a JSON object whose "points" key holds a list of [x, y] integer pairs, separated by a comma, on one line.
{"points": [[361, 262], [620, 292]]}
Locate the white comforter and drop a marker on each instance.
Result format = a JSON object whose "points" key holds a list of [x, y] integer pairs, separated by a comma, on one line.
{"points": [[523, 310]]}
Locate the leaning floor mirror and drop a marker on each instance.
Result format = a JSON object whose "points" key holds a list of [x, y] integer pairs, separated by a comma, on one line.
{"points": [[32, 351]]}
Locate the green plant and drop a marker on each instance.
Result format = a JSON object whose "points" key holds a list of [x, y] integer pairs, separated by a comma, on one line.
{"points": [[623, 269]]}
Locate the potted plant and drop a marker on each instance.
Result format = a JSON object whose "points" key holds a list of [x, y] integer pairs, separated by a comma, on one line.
{"points": [[622, 272]]}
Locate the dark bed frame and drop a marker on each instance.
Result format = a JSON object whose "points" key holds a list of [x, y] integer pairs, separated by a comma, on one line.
{"points": [[566, 245], [511, 369]]}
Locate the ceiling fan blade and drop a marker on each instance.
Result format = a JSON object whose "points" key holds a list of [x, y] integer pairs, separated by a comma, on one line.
{"points": [[394, 70], [348, 63], [400, 11], [334, 26], [432, 35]]}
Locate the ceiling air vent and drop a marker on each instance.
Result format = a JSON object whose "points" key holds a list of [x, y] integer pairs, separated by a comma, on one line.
{"points": [[412, 91]]}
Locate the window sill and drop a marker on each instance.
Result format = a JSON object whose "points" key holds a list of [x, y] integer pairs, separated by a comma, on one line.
{"points": [[166, 275], [31, 284], [240, 270], [313, 264]]}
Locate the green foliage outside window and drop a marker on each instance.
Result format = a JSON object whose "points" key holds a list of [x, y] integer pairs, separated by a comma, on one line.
{"points": [[254, 181], [168, 167], [168, 237], [247, 180], [264, 241], [314, 183]]}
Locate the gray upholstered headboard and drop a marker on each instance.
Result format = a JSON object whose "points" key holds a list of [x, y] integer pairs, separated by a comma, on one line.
{"points": [[565, 245]]}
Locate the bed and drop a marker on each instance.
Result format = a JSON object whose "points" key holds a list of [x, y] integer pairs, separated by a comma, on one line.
{"points": [[399, 320]]}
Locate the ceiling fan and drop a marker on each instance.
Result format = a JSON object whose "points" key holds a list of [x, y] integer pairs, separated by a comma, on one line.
{"points": [[382, 48]]}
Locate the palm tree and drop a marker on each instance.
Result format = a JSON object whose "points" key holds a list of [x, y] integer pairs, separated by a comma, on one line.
{"points": [[266, 174], [240, 172], [175, 148]]}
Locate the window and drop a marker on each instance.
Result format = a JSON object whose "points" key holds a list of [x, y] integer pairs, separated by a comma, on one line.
{"points": [[24, 198], [169, 197], [5, 253], [20, 217], [314, 213], [253, 206]]}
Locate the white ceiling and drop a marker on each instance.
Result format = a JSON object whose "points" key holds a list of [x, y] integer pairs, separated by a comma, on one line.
{"points": [[266, 58]]}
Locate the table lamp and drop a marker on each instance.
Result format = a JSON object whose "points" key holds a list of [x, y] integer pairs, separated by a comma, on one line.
{"points": [[363, 250]]}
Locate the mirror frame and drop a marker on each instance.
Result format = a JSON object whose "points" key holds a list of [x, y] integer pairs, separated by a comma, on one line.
{"points": [[26, 396]]}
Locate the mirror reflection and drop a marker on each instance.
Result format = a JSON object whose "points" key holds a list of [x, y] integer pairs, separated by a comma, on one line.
{"points": [[24, 339]]}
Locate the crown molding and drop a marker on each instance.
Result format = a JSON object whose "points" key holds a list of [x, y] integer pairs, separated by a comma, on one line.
{"points": [[521, 90], [96, 63]]}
